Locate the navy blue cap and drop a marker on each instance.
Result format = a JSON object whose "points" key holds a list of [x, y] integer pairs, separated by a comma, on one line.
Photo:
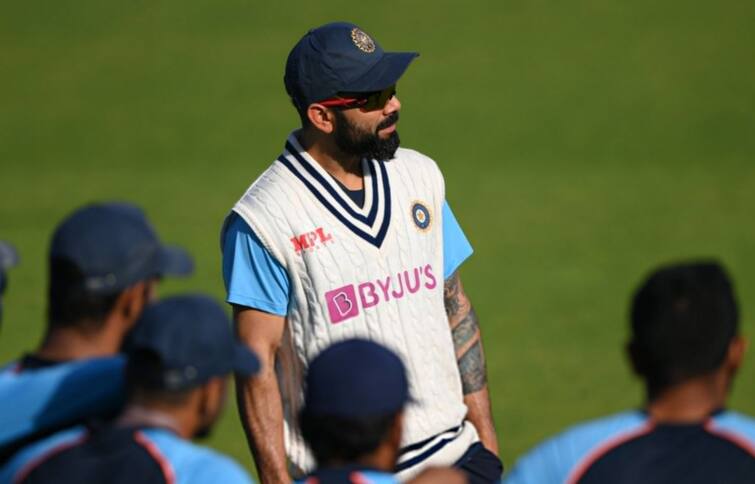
{"points": [[114, 246], [192, 338], [340, 57], [356, 378]]}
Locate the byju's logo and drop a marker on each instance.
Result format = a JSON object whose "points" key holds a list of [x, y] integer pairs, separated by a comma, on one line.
{"points": [[344, 303]]}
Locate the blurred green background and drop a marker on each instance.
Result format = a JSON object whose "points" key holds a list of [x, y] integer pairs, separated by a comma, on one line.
{"points": [[582, 142]]}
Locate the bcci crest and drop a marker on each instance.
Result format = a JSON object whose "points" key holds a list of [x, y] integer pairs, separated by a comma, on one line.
{"points": [[363, 41], [421, 216]]}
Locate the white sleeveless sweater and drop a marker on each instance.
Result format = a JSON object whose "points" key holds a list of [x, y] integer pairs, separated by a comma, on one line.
{"points": [[374, 272]]}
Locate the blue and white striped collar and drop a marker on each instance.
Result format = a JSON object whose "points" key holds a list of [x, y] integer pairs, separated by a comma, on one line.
{"points": [[370, 221]]}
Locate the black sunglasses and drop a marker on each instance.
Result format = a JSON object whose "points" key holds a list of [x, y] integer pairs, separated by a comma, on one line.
{"points": [[369, 101]]}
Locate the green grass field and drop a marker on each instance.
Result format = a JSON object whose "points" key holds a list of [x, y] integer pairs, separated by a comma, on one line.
{"points": [[582, 142]]}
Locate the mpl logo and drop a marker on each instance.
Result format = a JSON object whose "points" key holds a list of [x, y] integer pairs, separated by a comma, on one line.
{"points": [[344, 303], [310, 240]]}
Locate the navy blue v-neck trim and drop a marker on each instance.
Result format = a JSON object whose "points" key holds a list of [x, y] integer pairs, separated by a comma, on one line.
{"points": [[343, 212]]}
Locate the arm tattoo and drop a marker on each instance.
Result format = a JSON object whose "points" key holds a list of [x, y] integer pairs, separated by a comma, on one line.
{"points": [[465, 331], [472, 369], [451, 295], [466, 336]]}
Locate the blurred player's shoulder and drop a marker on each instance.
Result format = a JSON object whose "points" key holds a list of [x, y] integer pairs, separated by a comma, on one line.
{"points": [[736, 425], [195, 463], [15, 468], [555, 459], [36, 400]]}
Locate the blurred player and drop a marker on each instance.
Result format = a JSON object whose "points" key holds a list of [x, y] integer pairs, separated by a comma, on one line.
{"points": [[356, 391], [346, 235], [105, 260], [685, 345], [8, 259], [179, 358]]}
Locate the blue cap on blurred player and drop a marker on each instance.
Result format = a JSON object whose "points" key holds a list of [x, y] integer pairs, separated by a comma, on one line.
{"points": [[113, 246], [340, 57], [190, 338], [356, 378]]}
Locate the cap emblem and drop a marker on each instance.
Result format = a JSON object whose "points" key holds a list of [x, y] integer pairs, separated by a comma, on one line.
{"points": [[363, 41]]}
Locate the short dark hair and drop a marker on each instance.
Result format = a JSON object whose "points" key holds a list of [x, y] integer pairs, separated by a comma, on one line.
{"points": [[69, 302], [683, 318], [144, 380], [338, 439]]}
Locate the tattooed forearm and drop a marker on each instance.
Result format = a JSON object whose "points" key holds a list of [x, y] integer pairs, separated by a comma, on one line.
{"points": [[451, 295], [470, 357], [465, 331], [466, 336], [472, 369]]}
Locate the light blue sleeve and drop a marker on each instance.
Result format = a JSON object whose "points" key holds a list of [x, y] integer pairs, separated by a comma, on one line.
{"points": [[19, 464], [33, 401], [554, 460], [539, 466], [456, 247], [737, 424], [253, 278], [214, 468], [194, 464]]}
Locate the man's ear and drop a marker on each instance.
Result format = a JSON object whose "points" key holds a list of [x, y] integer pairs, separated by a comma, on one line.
{"points": [[211, 402], [321, 118], [131, 302], [736, 352], [397, 430]]}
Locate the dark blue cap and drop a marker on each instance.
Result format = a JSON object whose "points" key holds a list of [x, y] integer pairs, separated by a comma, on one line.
{"points": [[192, 338], [356, 378], [340, 57], [114, 246]]}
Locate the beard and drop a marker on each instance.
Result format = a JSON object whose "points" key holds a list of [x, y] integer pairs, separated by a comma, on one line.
{"points": [[355, 141]]}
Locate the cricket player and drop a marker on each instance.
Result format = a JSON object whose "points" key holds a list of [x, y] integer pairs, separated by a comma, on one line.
{"points": [[356, 394], [179, 357], [686, 347], [8, 259], [105, 260], [347, 235]]}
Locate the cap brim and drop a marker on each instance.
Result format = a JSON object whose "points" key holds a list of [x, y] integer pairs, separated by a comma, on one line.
{"points": [[175, 261], [385, 73], [245, 362], [8, 256]]}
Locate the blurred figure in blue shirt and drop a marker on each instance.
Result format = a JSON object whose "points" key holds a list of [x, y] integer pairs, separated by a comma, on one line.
{"points": [[686, 347], [179, 357], [104, 263], [352, 418]]}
